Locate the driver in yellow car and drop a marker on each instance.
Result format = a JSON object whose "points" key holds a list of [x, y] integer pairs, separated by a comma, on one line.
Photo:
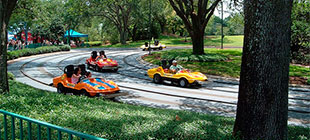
{"points": [[174, 68]]}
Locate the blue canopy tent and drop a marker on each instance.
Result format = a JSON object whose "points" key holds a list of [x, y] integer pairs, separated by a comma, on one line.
{"points": [[72, 33], [11, 36]]}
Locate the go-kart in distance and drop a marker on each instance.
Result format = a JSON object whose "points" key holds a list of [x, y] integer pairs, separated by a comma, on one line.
{"points": [[85, 85], [101, 62], [183, 77], [155, 46]]}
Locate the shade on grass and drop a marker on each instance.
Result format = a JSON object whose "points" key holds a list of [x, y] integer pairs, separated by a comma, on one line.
{"points": [[112, 120]]}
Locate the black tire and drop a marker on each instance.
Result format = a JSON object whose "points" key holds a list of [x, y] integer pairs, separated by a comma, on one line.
{"points": [[143, 49], [115, 70], [84, 92], [183, 82], [61, 88], [160, 48], [97, 68], [157, 79]]}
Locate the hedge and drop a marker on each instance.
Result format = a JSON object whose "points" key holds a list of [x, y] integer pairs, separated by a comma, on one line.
{"points": [[27, 52]]}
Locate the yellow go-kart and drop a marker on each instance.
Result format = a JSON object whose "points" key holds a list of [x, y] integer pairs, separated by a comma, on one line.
{"points": [[183, 78]]}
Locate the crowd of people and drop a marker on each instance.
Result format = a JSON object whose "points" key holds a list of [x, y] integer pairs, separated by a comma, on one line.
{"points": [[21, 44]]}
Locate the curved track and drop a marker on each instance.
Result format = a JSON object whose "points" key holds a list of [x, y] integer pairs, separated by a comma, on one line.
{"points": [[212, 97]]}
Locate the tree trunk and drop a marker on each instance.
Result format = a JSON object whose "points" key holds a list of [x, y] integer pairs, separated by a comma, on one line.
{"points": [[198, 42], [262, 107], [6, 8], [123, 36], [134, 33]]}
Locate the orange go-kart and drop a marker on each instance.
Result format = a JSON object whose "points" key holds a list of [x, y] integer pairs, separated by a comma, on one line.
{"points": [[85, 86], [101, 64]]}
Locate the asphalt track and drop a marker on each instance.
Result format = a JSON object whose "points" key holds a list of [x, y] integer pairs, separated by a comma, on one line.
{"points": [[217, 96]]}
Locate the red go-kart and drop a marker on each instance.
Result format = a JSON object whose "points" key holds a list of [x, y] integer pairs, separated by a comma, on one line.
{"points": [[101, 64]]}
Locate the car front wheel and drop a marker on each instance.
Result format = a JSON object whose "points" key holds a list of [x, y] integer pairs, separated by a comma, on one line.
{"points": [[157, 79], [60, 88]]}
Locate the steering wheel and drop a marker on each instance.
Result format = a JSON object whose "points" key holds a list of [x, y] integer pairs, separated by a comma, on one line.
{"points": [[81, 78]]}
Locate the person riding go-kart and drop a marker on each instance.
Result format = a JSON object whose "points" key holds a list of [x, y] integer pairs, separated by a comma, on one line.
{"points": [[176, 74], [154, 46], [101, 62]]}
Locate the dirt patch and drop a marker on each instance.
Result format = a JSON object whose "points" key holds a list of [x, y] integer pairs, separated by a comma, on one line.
{"points": [[298, 80], [211, 36], [156, 56]]}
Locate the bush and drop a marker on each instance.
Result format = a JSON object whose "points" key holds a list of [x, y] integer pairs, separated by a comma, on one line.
{"points": [[11, 76], [308, 81], [94, 43], [187, 56], [40, 50]]}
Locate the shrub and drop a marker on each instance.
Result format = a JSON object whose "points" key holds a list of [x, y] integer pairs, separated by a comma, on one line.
{"points": [[94, 43], [11, 76], [187, 56], [40, 50], [308, 81]]}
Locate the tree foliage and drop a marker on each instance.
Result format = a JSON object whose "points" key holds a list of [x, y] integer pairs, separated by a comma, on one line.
{"points": [[300, 24]]}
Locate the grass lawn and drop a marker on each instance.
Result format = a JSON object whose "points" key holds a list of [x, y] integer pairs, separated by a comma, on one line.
{"points": [[229, 41], [228, 68], [112, 120]]}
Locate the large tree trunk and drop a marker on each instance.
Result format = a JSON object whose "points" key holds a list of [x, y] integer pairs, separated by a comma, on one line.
{"points": [[6, 8], [263, 92], [197, 40], [123, 36]]}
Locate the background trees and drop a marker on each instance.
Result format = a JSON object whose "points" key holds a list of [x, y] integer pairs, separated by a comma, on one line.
{"points": [[300, 44]]}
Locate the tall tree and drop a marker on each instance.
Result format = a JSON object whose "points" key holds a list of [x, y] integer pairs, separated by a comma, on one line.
{"points": [[6, 8], [263, 92], [118, 12], [195, 16]]}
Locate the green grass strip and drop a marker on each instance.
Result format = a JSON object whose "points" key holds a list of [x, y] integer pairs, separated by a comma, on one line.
{"points": [[112, 120]]}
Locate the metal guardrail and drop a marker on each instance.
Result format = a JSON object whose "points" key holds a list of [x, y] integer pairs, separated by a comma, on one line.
{"points": [[39, 124]]}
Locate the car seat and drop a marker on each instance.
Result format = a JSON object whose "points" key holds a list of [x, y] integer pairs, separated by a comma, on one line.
{"points": [[156, 42], [170, 62], [69, 70], [164, 64], [94, 54], [83, 69]]}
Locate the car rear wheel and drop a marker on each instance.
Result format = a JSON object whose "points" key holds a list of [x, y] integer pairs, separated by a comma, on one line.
{"points": [[60, 88], [160, 48], [157, 79], [183, 82]]}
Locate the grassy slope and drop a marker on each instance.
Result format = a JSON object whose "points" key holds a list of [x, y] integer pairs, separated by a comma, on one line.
{"points": [[230, 68], [116, 120]]}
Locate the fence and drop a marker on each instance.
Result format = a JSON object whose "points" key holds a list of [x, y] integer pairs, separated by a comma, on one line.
{"points": [[39, 124]]}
